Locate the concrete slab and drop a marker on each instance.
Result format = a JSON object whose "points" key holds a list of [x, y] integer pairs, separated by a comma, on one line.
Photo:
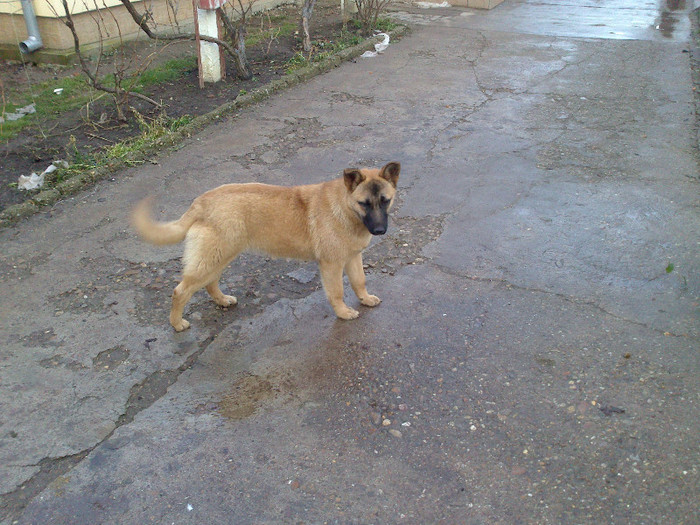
{"points": [[535, 355], [421, 416]]}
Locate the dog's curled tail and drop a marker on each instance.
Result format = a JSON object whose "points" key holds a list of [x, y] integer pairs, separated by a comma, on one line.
{"points": [[159, 233]]}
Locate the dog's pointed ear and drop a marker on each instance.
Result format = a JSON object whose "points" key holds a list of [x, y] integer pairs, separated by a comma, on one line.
{"points": [[390, 172], [353, 178]]}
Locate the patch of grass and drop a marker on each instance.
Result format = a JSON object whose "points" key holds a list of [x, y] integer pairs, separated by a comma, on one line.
{"points": [[283, 27], [48, 104], [167, 71], [150, 131], [333, 46], [298, 61], [321, 50], [384, 25], [122, 151], [77, 93]]}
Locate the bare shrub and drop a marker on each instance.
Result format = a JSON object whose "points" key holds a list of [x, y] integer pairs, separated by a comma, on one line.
{"points": [[113, 83], [235, 31], [234, 18], [368, 12]]}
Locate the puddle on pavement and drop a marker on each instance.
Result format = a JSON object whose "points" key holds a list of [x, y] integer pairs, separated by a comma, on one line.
{"points": [[622, 19], [43, 338], [331, 363], [110, 359], [60, 361], [246, 396], [666, 23]]}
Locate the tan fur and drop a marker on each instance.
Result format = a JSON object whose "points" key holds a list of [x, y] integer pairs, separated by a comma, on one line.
{"points": [[323, 222]]}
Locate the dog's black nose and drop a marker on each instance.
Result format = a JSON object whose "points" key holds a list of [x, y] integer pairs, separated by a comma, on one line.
{"points": [[378, 231]]}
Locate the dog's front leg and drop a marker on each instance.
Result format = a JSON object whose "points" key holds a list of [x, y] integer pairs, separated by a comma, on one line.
{"points": [[219, 297], [356, 275], [332, 279]]}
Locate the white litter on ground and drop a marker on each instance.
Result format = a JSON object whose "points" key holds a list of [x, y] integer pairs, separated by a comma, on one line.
{"points": [[378, 47], [32, 182], [430, 5], [35, 181]]}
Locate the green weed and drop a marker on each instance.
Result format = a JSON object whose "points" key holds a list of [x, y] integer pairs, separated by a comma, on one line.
{"points": [[48, 104], [321, 50], [384, 25], [77, 93], [266, 34], [81, 162], [150, 132], [167, 71]]}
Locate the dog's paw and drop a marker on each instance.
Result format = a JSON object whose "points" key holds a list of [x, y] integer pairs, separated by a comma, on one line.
{"points": [[227, 300], [347, 313], [181, 325], [371, 300]]}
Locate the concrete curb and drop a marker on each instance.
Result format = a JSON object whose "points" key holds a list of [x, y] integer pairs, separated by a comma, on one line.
{"points": [[13, 214]]}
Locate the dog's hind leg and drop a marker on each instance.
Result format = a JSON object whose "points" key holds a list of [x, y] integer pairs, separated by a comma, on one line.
{"points": [[356, 276], [204, 262], [181, 295]]}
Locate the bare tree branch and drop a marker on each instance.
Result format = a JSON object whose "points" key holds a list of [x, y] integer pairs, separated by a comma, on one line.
{"points": [[368, 12], [237, 51], [237, 33], [93, 79], [141, 20]]}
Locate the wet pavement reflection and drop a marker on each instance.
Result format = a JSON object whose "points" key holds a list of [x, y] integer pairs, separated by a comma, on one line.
{"points": [[602, 19]]}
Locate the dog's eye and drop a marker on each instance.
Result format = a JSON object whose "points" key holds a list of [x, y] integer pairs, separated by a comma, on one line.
{"points": [[383, 200], [366, 204]]}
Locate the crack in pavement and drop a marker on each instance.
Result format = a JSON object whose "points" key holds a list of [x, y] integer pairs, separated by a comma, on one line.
{"points": [[142, 396], [568, 298]]}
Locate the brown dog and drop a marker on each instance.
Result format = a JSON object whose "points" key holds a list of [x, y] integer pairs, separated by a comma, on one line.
{"points": [[331, 223]]}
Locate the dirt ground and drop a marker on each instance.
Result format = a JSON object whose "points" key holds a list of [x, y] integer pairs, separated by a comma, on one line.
{"points": [[37, 146]]}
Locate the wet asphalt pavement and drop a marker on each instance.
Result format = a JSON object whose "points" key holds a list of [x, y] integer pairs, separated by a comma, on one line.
{"points": [[535, 356]]}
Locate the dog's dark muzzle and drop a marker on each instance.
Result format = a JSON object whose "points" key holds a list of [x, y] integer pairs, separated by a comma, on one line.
{"points": [[376, 222]]}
